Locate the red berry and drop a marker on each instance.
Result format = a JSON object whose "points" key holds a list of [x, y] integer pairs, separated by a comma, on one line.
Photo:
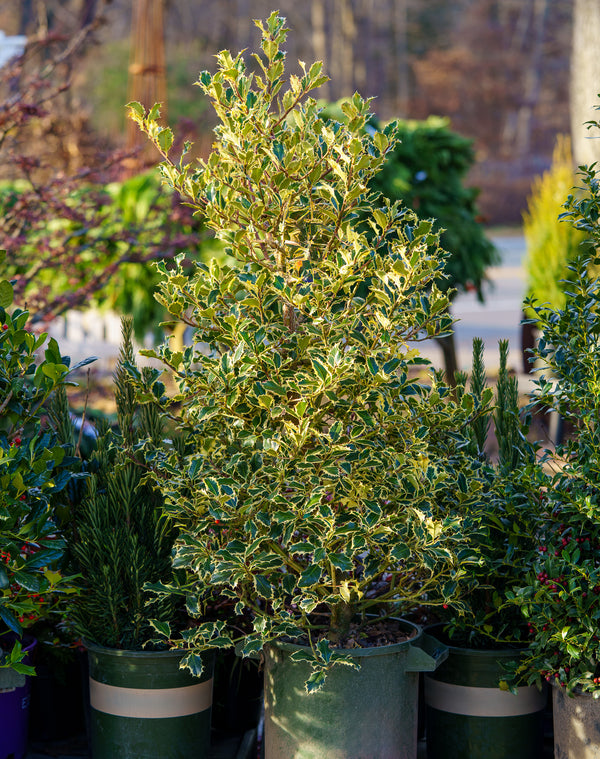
{"points": [[5, 326], [17, 441]]}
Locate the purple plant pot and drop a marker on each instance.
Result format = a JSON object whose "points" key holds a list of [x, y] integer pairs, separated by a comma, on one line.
{"points": [[14, 713]]}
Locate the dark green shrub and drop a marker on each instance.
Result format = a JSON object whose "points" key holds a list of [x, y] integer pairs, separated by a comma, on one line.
{"points": [[559, 592], [121, 539], [34, 472]]}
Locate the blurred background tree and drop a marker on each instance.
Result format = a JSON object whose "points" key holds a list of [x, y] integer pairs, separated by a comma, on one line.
{"points": [[499, 69], [70, 218], [552, 244], [585, 80]]}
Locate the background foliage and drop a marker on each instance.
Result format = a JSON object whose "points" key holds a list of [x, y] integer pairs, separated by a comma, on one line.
{"points": [[499, 69], [552, 243]]}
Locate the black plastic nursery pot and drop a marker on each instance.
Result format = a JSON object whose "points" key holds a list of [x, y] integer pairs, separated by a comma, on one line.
{"points": [[576, 725], [369, 713], [237, 694], [143, 706], [57, 698], [469, 717]]}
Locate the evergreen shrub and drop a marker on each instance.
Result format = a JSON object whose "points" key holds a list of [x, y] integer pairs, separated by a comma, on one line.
{"points": [[323, 479], [34, 472]]}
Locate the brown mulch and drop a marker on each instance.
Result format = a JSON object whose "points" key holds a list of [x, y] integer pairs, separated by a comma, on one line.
{"points": [[381, 633]]}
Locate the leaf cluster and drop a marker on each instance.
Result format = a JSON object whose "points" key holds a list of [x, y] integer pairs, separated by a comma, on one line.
{"points": [[560, 596], [34, 469]]}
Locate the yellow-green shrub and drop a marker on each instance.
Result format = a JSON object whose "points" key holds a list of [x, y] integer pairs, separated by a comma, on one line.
{"points": [[551, 244]]}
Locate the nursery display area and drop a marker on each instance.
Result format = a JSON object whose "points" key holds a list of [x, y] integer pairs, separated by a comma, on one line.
{"points": [[293, 539]]}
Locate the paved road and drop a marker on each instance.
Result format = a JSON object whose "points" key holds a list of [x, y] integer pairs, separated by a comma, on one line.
{"points": [[498, 317]]}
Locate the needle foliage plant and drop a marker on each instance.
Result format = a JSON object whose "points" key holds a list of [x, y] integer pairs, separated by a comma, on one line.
{"points": [[507, 513], [121, 538]]}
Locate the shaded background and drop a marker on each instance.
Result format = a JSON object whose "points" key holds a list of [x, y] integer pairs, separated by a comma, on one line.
{"points": [[516, 77], [499, 69]]}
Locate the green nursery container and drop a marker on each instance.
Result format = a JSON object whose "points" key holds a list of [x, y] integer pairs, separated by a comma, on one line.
{"points": [[370, 713], [469, 717], [144, 707]]}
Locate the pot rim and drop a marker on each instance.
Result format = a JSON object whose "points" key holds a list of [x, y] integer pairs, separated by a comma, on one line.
{"points": [[134, 653], [503, 653], [390, 648]]}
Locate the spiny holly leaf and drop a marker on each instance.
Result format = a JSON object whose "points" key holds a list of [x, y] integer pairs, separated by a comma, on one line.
{"points": [[194, 663], [315, 681]]}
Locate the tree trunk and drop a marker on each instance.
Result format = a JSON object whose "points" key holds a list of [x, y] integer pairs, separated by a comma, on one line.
{"points": [[400, 84], [88, 13], [532, 78], [585, 80], [362, 63], [448, 346], [244, 26], [25, 16], [344, 49], [147, 75]]}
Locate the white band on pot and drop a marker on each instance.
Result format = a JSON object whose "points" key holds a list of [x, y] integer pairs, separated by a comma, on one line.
{"points": [[482, 702], [151, 704]]}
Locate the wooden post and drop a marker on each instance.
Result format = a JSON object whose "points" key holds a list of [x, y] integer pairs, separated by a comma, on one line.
{"points": [[147, 76]]}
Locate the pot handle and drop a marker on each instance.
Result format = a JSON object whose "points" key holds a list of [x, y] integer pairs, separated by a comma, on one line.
{"points": [[426, 655], [9, 679]]}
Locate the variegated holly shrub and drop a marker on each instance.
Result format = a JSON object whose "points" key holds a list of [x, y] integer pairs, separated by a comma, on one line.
{"points": [[558, 595], [325, 476]]}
